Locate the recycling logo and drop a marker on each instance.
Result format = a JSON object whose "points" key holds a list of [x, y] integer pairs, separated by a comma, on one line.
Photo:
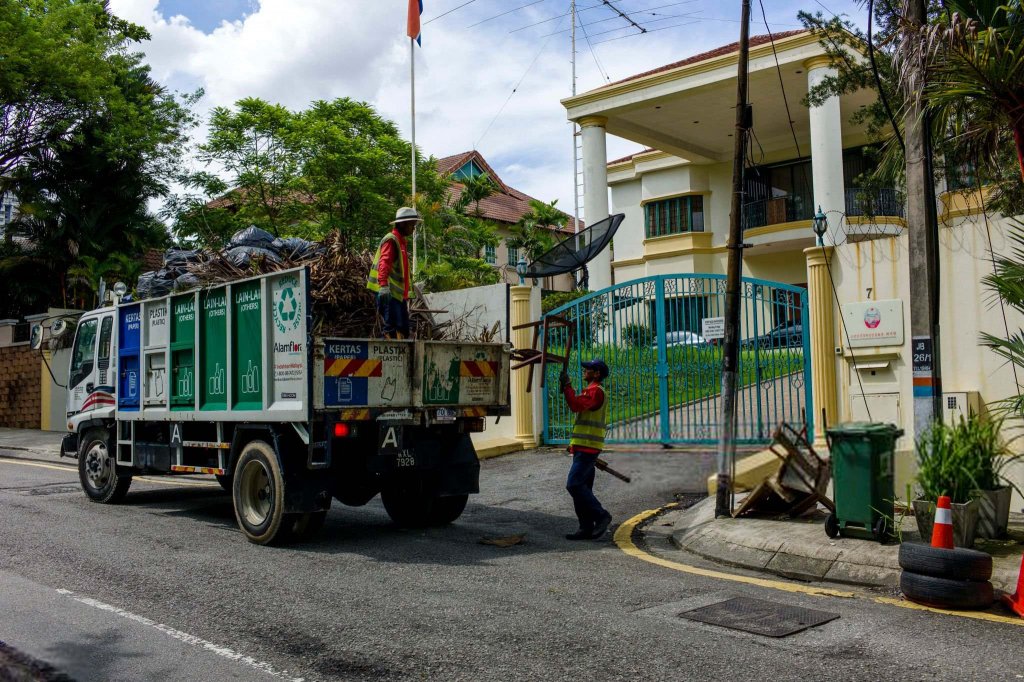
{"points": [[288, 308]]}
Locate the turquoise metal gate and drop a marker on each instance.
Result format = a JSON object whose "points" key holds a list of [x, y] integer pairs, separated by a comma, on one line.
{"points": [[665, 380]]}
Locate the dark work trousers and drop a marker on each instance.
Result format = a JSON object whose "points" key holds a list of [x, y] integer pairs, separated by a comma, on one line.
{"points": [[580, 485], [395, 314]]}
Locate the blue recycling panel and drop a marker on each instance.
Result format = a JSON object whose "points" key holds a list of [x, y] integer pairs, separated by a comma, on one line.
{"points": [[345, 390], [129, 381]]}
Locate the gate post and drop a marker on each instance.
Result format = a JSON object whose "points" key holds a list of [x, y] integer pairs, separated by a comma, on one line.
{"points": [[522, 402], [822, 346], [665, 415]]}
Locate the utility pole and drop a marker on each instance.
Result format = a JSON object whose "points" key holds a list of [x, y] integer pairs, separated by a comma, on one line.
{"points": [[923, 235], [731, 350]]}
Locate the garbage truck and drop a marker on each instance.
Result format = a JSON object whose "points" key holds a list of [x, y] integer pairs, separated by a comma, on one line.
{"points": [[235, 381]]}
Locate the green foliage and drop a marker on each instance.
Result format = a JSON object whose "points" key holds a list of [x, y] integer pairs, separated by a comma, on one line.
{"points": [[533, 233], [336, 165], [452, 244], [960, 459], [84, 160], [1007, 283], [475, 190], [636, 334], [557, 299]]}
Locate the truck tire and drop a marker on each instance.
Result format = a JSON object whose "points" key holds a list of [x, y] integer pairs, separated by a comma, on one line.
{"points": [[97, 469], [302, 527], [258, 493], [407, 506], [445, 510], [956, 564], [944, 593]]}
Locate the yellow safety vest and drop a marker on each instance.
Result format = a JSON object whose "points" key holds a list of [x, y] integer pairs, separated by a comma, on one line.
{"points": [[590, 427], [396, 278]]}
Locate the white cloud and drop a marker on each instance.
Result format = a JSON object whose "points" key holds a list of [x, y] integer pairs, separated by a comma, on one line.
{"points": [[296, 51]]}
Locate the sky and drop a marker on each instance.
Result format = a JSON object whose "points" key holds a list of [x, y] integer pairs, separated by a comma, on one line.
{"points": [[489, 76]]}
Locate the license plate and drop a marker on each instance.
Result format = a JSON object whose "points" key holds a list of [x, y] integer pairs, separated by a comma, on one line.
{"points": [[446, 414], [390, 439]]}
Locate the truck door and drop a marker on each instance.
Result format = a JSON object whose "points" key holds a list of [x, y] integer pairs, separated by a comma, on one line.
{"points": [[90, 360]]}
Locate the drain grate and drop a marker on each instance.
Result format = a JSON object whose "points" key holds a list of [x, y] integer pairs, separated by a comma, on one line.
{"points": [[759, 617]]}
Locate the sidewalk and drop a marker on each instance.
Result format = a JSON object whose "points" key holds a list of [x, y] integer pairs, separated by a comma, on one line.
{"points": [[33, 443], [799, 548]]}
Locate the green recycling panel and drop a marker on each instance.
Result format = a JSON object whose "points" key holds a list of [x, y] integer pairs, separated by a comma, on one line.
{"points": [[183, 332], [461, 373], [213, 346], [247, 346]]}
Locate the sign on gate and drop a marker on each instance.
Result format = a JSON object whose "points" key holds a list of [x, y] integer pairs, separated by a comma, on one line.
{"points": [[712, 328]]}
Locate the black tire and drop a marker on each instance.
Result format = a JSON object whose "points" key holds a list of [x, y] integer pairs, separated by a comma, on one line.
{"points": [[407, 505], [944, 593], [954, 564], [227, 481], [97, 469], [258, 494], [445, 510], [832, 526]]}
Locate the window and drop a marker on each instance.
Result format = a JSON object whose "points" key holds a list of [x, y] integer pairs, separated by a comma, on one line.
{"points": [[490, 255], [468, 171], [105, 334], [674, 216], [82, 357], [513, 256]]}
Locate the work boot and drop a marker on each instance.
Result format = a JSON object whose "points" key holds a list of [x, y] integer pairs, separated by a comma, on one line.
{"points": [[601, 526], [581, 534]]}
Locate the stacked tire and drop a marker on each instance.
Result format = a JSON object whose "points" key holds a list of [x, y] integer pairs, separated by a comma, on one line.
{"points": [[946, 578]]}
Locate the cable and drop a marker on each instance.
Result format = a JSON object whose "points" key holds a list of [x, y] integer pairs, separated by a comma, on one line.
{"points": [[653, 30], [846, 332], [507, 99], [625, 16], [878, 80], [597, 61], [603, 21], [514, 9], [448, 12], [579, 10]]}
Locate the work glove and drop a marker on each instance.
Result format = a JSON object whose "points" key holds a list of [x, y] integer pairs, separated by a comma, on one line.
{"points": [[384, 293], [563, 379]]}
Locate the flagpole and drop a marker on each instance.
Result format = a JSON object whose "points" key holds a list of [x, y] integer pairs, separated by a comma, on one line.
{"points": [[412, 93]]}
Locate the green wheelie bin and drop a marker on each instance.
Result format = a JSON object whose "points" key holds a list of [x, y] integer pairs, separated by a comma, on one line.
{"points": [[862, 479]]}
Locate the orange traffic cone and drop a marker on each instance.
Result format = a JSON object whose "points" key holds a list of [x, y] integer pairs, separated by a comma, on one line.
{"points": [[942, 529], [1016, 602]]}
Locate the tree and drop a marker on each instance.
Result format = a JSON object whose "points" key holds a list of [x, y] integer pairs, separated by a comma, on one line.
{"points": [[475, 189], [336, 165], [533, 233], [453, 245], [83, 188]]}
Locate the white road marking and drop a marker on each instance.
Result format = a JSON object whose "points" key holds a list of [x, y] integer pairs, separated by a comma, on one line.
{"points": [[218, 649]]}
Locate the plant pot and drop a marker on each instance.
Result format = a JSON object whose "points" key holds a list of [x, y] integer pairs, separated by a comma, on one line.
{"points": [[965, 520], [994, 512]]}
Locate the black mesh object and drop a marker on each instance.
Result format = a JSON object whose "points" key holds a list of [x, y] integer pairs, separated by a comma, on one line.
{"points": [[576, 251]]}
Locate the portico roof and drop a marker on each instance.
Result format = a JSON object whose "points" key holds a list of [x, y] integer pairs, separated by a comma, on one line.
{"points": [[687, 108]]}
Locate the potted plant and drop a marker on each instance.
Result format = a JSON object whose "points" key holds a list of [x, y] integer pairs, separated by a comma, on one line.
{"points": [[946, 465], [991, 457]]}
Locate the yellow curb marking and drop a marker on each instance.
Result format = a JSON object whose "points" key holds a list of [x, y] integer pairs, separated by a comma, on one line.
{"points": [[145, 479], [624, 539]]}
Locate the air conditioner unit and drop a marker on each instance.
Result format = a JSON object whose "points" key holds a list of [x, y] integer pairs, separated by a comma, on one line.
{"points": [[960, 405]]}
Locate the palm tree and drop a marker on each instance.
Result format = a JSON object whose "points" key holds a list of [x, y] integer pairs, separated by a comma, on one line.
{"points": [[476, 189]]}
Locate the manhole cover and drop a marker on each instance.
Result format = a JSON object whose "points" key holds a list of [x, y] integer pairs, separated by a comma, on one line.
{"points": [[759, 617]]}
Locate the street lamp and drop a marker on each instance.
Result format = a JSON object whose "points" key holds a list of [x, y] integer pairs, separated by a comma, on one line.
{"points": [[820, 225], [521, 270]]}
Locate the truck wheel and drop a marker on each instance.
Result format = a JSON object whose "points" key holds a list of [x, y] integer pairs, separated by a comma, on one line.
{"points": [[258, 493], [445, 510], [227, 481], [407, 506], [97, 469]]}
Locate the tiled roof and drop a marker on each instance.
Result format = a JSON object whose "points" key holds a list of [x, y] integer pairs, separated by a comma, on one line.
{"points": [[710, 54], [633, 155], [450, 164]]}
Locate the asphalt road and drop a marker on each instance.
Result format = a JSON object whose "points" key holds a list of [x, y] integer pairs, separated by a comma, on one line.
{"points": [[164, 587]]}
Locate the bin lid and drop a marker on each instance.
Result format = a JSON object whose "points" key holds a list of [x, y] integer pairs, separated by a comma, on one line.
{"points": [[861, 429]]}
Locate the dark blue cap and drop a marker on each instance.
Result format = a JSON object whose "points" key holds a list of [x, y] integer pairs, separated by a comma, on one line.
{"points": [[597, 366]]}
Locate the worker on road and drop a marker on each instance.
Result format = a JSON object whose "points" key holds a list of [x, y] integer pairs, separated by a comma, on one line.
{"points": [[390, 277], [591, 408]]}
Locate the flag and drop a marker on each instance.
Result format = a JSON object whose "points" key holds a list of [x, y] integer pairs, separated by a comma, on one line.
{"points": [[415, 10]]}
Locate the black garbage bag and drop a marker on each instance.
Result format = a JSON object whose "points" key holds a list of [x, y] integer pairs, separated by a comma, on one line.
{"points": [[252, 236], [144, 285], [296, 248], [152, 284], [242, 256], [185, 282], [178, 258]]}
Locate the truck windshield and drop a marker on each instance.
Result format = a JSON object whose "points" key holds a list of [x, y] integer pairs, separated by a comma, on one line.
{"points": [[85, 351]]}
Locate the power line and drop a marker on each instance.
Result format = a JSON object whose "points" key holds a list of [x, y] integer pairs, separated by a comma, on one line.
{"points": [[663, 17], [448, 12], [592, 52], [514, 9], [653, 30], [559, 16], [516, 88], [625, 16]]}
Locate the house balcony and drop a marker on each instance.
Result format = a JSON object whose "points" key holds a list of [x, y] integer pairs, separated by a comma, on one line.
{"points": [[883, 202]]}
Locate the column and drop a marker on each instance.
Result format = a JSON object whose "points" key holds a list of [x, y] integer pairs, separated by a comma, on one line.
{"points": [[822, 331], [595, 192], [826, 149], [522, 403]]}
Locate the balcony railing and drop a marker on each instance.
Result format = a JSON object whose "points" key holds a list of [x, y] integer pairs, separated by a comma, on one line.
{"points": [[880, 202], [784, 209]]}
